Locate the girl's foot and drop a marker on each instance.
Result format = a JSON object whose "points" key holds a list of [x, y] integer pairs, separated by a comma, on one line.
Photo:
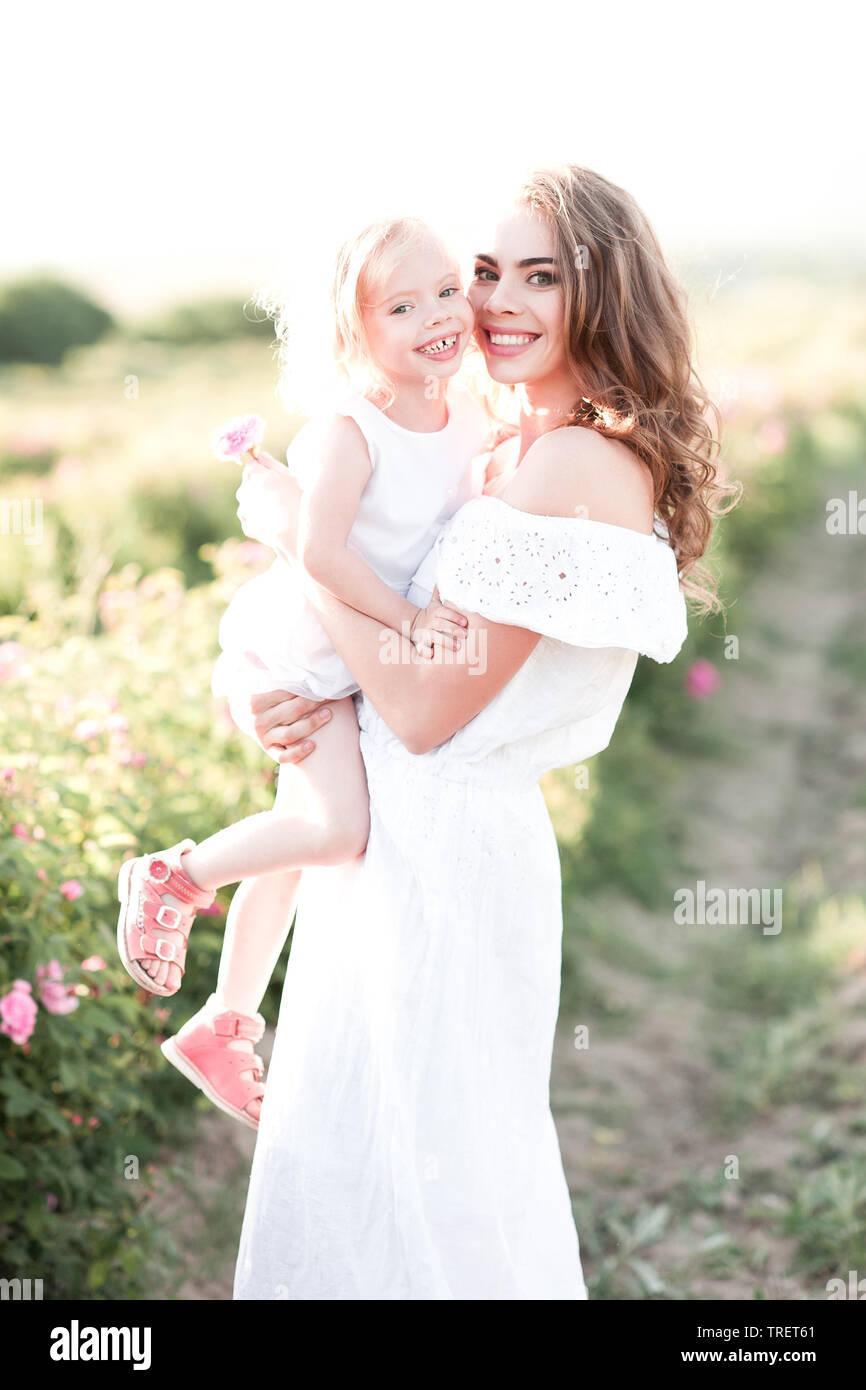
{"points": [[158, 902], [214, 1050]]}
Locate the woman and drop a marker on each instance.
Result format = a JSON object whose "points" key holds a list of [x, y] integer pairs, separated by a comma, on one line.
{"points": [[406, 1147]]}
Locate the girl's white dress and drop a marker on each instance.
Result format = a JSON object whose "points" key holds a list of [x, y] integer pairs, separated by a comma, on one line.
{"points": [[406, 1148], [270, 636]]}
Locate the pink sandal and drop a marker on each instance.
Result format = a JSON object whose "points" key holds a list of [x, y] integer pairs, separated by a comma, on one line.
{"points": [[201, 1052], [149, 928]]}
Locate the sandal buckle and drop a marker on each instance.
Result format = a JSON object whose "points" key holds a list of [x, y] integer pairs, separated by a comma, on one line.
{"points": [[173, 911], [225, 1026], [165, 950]]}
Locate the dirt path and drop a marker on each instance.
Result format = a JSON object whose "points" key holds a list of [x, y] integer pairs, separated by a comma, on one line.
{"points": [[634, 1110]]}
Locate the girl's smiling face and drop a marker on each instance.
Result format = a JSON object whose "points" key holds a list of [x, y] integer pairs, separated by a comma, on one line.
{"points": [[419, 321], [517, 296]]}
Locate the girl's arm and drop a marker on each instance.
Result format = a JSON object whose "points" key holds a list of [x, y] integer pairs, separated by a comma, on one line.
{"points": [[425, 703], [327, 513]]}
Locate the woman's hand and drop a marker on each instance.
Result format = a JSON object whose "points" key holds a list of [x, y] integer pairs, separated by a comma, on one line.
{"points": [[268, 503], [281, 723]]}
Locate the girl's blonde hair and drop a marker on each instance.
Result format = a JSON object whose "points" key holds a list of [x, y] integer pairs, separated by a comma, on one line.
{"points": [[321, 353], [363, 265], [628, 344]]}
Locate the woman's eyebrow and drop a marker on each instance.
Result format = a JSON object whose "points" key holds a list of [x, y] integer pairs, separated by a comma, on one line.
{"points": [[530, 260]]}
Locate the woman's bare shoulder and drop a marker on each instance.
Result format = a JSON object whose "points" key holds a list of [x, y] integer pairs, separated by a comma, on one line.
{"points": [[574, 471]]}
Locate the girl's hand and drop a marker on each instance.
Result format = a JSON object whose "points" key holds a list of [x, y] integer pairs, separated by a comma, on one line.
{"points": [[281, 723], [268, 502], [438, 627]]}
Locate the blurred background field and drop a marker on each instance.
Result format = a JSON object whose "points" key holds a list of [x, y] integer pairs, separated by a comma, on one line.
{"points": [[741, 765]]}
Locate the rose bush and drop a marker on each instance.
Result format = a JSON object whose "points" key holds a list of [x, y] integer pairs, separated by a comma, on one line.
{"points": [[111, 745]]}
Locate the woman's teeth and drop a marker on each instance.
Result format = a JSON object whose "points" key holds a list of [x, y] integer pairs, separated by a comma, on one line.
{"points": [[441, 346], [511, 339]]}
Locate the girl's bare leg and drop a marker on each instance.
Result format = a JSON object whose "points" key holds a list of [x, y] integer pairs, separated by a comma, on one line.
{"points": [[321, 815], [256, 929]]}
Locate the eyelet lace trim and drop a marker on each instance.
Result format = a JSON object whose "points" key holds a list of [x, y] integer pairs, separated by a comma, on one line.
{"points": [[587, 583]]}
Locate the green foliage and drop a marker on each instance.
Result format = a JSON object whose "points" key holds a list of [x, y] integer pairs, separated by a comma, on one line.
{"points": [[111, 746], [828, 1216], [213, 320], [42, 318]]}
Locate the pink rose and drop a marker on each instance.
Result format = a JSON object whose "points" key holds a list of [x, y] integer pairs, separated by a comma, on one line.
{"points": [[702, 679], [87, 729], [71, 889], [93, 963], [12, 660], [18, 1010], [237, 437], [773, 436], [20, 830], [52, 971], [57, 999]]}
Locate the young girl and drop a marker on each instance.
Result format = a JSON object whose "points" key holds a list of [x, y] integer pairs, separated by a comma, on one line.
{"points": [[380, 477]]}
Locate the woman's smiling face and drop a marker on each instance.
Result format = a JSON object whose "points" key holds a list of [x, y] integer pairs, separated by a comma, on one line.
{"points": [[517, 296]]}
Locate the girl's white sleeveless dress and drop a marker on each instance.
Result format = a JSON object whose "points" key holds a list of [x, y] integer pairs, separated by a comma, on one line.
{"points": [[407, 1148], [270, 636]]}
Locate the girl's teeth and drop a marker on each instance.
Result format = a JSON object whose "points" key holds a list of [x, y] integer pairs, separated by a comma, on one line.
{"points": [[512, 339], [441, 346]]}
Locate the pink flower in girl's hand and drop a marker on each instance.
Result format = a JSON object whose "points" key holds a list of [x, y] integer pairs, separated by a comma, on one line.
{"points": [[237, 437]]}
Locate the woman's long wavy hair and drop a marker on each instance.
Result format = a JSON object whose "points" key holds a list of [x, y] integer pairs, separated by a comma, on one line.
{"points": [[628, 343]]}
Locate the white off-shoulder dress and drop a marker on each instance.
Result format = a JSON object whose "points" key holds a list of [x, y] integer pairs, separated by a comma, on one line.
{"points": [[407, 1148]]}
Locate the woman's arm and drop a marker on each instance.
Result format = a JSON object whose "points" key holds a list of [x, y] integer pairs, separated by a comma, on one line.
{"points": [[424, 702]]}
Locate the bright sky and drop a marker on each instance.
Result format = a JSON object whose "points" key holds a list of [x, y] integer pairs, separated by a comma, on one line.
{"points": [[166, 148]]}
